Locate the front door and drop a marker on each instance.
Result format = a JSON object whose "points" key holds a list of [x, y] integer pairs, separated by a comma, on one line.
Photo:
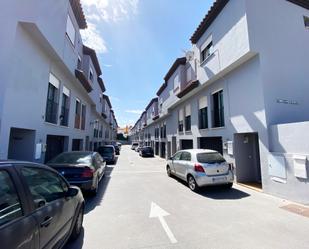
{"points": [[54, 146], [247, 157], [53, 212]]}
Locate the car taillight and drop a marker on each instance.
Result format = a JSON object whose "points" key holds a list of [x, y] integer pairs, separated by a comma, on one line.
{"points": [[87, 173], [198, 168]]}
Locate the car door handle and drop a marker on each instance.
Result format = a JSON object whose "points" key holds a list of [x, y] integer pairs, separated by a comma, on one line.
{"points": [[46, 221]]}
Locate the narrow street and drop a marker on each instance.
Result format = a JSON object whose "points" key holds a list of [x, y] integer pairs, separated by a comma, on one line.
{"points": [[214, 218]]}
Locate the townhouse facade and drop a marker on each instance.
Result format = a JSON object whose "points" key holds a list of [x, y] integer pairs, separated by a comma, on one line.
{"points": [[51, 97], [240, 92]]}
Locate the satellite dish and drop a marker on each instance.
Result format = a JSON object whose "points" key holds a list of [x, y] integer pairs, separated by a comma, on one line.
{"points": [[189, 55]]}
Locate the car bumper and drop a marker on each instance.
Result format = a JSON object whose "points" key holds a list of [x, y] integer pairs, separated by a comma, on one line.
{"points": [[84, 185], [203, 180]]}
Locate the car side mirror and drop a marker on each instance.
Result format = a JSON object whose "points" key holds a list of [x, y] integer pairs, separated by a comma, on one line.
{"points": [[71, 192], [171, 158]]}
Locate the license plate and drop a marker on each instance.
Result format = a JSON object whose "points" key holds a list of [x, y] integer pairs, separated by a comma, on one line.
{"points": [[219, 179]]}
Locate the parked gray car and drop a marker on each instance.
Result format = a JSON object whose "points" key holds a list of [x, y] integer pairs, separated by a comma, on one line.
{"points": [[38, 208], [200, 168]]}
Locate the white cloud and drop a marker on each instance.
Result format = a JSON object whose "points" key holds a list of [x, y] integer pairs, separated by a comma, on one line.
{"points": [[135, 111], [111, 10], [107, 65], [93, 39], [97, 11]]}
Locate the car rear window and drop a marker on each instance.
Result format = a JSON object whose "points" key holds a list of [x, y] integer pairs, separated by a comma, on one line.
{"points": [[147, 149], [106, 150], [213, 157], [72, 158]]}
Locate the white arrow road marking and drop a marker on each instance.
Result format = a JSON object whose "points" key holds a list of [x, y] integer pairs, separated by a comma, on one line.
{"points": [[157, 212]]}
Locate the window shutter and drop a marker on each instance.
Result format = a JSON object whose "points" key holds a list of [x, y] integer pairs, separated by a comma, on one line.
{"points": [[66, 91], [203, 102], [188, 110], [54, 81], [206, 43], [180, 114]]}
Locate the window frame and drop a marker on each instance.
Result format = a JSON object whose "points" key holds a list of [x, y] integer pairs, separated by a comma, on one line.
{"points": [[52, 104], [206, 52], [23, 207], [67, 31], [218, 117], [306, 21], [59, 177]]}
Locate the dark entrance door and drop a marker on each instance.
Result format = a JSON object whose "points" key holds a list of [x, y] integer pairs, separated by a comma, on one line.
{"points": [[163, 153], [54, 146], [247, 158], [211, 143], [157, 148], [186, 144], [77, 144]]}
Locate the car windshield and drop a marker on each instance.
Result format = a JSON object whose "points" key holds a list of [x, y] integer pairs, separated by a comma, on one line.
{"points": [[213, 157], [105, 150], [72, 158]]}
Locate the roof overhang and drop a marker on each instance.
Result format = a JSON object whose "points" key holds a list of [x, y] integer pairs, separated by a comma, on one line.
{"points": [[192, 85], [91, 52], [107, 100], [176, 64], [151, 102], [301, 3], [212, 14], [79, 13], [161, 89], [101, 84]]}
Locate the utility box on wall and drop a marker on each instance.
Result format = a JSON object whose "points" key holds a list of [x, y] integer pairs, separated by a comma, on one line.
{"points": [[300, 166]]}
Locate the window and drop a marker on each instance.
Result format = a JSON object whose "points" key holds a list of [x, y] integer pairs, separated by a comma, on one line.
{"points": [[45, 186], [10, 206], [218, 109], [189, 74], [65, 107], [164, 131], [77, 114], [180, 120], [79, 63], [203, 113], [52, 100], [185, 156], [206, 49], [176, 82], [306, 21], [83, 126], [91, 74], [188, 118], [177, 156], [70, 31]]}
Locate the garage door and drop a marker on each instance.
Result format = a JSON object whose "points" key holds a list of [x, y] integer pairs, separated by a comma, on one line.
{"points": [[186, 144], [211, 143]]}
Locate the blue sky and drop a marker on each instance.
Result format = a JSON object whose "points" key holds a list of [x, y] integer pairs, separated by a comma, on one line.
{"points": [[137, 41]]}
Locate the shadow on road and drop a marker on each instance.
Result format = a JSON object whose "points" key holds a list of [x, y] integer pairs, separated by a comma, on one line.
{"points": [[218, 192], [92, 202]]}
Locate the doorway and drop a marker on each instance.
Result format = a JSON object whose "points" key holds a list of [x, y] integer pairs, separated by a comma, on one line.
{"points": [[21, 144], [77, 144], [186, 144], [174, 145], [163, 153], [211, 143], [157, 148], [54, 146], [247, 159]]}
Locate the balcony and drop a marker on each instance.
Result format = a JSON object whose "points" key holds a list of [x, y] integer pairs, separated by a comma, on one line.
{"points": [[188, 88], [80, 75]]}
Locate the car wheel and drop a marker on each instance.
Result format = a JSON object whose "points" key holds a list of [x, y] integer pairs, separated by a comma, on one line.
{"points": [[168, 171], [192, 183], [78, 224], [94, 191], [229, 185]]}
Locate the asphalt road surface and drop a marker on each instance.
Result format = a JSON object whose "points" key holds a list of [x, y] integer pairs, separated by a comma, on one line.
{"points": [[139, 206]]}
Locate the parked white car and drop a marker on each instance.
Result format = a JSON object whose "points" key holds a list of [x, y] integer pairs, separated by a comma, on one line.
{"points": [[200, 168]]}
